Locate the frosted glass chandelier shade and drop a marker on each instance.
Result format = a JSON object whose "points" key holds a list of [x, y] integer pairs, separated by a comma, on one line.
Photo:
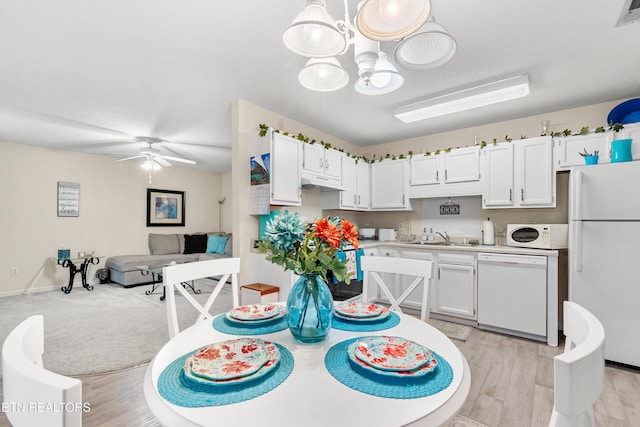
{"points": [[385, 78], [387, 20], [314, 33], [323, 75], [428, 48]]}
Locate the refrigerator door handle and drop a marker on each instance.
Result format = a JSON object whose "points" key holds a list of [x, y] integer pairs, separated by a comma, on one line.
{"points": [[577, 196], [577, 245]]}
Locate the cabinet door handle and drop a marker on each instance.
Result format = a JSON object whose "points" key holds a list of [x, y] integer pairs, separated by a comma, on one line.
{"points": [[355, 199], [321, 164], [358, 199], [326, 164], [511, 194], [445, 175], [522, 194], [437, 175]]}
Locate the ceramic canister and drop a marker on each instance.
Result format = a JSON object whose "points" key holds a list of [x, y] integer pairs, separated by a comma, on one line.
{"points": [[621, 150]]}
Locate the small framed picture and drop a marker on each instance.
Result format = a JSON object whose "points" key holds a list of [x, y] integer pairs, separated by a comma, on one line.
{"points": [[165, 208], [68, 199]]}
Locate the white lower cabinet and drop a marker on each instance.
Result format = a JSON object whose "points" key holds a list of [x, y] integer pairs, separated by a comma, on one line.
{"points": [[455, 286], [414, 300]]}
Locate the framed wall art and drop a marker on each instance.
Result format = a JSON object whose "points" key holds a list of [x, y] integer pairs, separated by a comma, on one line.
{"points": [[165, 208], [68, 199]]}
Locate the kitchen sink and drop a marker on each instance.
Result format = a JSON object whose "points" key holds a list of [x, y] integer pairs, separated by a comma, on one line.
{"points": [[441, 244]]}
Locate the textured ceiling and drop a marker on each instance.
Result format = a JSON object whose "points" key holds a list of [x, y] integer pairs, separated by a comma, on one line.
{"points": [[89, 76]]}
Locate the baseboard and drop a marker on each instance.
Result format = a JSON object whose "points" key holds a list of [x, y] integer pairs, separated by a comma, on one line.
{"points": [[43, 289]]}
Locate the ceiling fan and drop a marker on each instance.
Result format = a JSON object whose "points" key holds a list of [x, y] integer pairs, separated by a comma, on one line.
{"points": [[153, 159]]}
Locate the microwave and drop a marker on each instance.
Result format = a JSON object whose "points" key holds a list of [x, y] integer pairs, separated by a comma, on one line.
{"points": [[539, 236]]}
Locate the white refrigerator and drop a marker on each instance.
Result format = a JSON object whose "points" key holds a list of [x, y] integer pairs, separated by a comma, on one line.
{"points": [[604, 252]]}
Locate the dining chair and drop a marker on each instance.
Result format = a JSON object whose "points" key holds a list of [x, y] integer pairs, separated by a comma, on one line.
{"points": [[374, 266], [579, 371], [33, 395], [174, 275]]}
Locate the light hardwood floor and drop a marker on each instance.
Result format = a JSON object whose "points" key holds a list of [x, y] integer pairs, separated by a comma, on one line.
{"points": [[511, 385]]}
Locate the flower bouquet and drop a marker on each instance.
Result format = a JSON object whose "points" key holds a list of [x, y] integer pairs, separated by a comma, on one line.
{"points": [[309, 250]]}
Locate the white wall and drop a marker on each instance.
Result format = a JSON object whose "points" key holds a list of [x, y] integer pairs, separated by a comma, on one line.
{"points": [[112, 218]]}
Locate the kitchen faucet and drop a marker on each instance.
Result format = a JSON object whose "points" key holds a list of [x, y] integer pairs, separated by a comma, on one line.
{"points": [[445, 236]]}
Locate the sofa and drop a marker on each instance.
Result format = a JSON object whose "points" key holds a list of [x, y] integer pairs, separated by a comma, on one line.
{"points": [[165, 248]]}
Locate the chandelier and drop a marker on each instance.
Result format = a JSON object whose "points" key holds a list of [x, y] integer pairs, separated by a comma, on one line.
{"points": [[422, 44]]}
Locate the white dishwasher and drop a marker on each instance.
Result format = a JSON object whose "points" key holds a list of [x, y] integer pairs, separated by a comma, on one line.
{"points": [[512, 294]]}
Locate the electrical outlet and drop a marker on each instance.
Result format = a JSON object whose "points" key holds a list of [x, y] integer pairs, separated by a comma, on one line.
{"points": [[15, 271]]}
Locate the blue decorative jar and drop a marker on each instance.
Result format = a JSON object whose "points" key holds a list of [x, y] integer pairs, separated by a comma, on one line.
{"points": [[621, 150], [310, 309]]}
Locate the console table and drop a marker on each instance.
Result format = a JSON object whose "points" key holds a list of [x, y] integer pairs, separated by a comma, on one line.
{"points": [[73, 269]]}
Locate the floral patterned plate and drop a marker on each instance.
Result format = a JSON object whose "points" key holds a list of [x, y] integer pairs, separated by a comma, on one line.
{"points": [[358, 309], [392, 353], [255, 311], [229, 359], [255, 322], [383, 315], [414, 373], [274, 358]]}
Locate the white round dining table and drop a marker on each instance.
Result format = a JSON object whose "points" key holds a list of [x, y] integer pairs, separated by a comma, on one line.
{"points": [[311, 396]]}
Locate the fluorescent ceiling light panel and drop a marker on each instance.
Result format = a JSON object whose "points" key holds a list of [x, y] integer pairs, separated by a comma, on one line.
{"points": [[480, 96]]}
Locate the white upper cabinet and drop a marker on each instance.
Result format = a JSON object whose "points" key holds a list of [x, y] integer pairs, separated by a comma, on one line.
{"points": [[462, 165], [537, 177], [363, 172], [389, 185], [498, 175], [519, 174], [320, 161], [425, 170], [453, 173], [356, 182], [568, 149], [286, 162]]}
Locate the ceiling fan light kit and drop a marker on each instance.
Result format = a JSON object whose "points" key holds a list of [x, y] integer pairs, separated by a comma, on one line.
{"points": [[314, 34], [323, 75], [428, 48], [154, 159], [388, 20], [466, 99]]}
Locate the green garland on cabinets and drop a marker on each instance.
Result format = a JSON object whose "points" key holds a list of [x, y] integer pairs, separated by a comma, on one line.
{"points": [[567, 132]]}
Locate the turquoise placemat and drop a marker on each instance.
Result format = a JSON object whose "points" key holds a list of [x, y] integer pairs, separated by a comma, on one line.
{"points": [[175, 389], [389, 322], [337, 362], [222, 324]]}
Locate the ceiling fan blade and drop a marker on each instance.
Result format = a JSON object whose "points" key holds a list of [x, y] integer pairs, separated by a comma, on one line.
{"points": [[177, 159], [131, 158], [161, 161]]}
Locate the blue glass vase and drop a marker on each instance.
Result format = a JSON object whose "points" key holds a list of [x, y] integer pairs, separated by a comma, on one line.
{"points": [[310, 309]]}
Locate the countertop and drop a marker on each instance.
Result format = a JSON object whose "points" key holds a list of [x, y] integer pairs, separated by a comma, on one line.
{"points": [[459, 248]]}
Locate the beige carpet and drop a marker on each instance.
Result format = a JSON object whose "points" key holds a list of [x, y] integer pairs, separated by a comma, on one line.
{"points": [[104, 330]]}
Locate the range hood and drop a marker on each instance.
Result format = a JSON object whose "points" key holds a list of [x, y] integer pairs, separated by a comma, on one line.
{"points": [[325, 184]]}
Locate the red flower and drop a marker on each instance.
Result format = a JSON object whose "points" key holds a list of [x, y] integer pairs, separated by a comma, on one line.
{"points": [[350, 233], [329, 232]]}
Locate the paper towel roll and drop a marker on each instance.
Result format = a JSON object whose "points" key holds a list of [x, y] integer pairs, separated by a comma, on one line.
{"points": [[488, 236]]}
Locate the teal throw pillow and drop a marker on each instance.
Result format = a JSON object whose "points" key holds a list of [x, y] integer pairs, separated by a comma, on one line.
{"points": [[216, 244]]}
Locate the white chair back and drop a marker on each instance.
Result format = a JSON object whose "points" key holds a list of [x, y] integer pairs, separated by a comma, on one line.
{"points": [[34, 396], [173, 276], [579, 371], [372, 266]]}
